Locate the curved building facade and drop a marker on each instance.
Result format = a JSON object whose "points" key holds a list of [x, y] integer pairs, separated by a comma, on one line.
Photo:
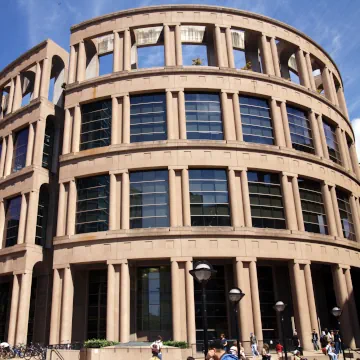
{"points": [[216, 134]]}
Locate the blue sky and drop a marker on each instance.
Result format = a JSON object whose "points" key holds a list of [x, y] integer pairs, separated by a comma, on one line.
{"points": [[334, 24]]}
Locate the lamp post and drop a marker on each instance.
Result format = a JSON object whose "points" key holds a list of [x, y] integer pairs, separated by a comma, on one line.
{"points": [[279, 307], [235, 295], [202, 273], [336, 311]]}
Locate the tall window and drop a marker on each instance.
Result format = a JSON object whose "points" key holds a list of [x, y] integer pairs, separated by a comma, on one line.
{"points": [[92, 212], [5, 295], [42, 217], [345, 215], [149, 199], [256, 120], [48, 146], [332, 143], [312, 206], [95, 125], [209, 199], [203, 116], [148, 117], [300, 130], [20, 147], [12, 220], [267, 210]]}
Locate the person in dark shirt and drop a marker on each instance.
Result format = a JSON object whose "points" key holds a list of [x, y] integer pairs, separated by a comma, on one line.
{"points": [[224, 342], [315, 339], [337, 341]]}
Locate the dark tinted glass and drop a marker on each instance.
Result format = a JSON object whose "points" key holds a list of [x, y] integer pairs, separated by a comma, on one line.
{"points": [[42, 217], [345, 214], [48, 146], [332, 143], [12, 220], [20, 149]]}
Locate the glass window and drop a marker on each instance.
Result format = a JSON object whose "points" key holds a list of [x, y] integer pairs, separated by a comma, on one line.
{"points": [[267, 210], [147, 117], [312, 206], [92, 212], [149, 199], [5, 295], [300, 130], [345, 214], [42, 217], [203, 116], [1, 147], [20, 148], [256, 120], [209, 199], [48, 146], [12, 220], [332, 143], [95, 125]]}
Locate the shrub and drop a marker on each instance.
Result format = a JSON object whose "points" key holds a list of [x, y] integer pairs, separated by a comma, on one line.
{"points": [[178, 344], [98, 343]]}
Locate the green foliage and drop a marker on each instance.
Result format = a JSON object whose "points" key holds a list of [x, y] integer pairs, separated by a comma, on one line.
{"points": [[197, 61], [98, 343], [248, 66], [178, 344]]}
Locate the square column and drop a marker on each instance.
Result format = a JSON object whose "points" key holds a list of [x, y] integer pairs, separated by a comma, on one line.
{"points": [[125, 303], [126, 119], [32, 217], [114, 120], [190, 304], [76, 129], [125, 196], [330, 218], [316, 135], [336, 211], [297, 200], [45, 78], [127, 50], [11, 97], [39, 142], [275, 56], [72, 64], [81, 65], [14, 309], [311, 298], [218, 46], [229, 48], [245, 198], [22, 219], [30, 146], [182, 115], [237, 117], [186, 197], [277, 123], [289, 204], [175, 298], [169, 115], [61, 221], [266, 56], [71, 208], [3, 156], [310, 71], [235, 217], [303, 71], [36, 91], [286, 124], [255, 301], [17, 93], [172, 197], [110, 306], [116, 52], [55, 309], [67, 132], [9, 155], [323, 137], [67, 307]]}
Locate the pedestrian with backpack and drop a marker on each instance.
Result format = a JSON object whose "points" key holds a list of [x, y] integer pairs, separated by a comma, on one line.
{"points": [[156, 348]]}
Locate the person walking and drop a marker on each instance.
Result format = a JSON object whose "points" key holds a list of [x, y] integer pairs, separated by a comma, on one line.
{"points": [[337, 341], [254, 345], [156, 347], [315, 339], [296, 341], [224, 343]]}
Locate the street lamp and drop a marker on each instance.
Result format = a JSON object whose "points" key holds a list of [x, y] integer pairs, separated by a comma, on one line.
{"points": [[235, 295], [336, 311], [202, 273], [279, 307]]}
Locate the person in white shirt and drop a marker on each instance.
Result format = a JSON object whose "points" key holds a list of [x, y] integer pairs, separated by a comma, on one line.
{"points": [[330, 349]]}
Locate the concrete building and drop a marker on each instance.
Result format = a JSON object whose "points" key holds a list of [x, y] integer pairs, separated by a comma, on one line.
{"points": [[247, 160]]}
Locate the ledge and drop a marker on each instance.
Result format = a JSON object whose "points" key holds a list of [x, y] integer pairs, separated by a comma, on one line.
{"points": [[28, 170], [20, 248]]}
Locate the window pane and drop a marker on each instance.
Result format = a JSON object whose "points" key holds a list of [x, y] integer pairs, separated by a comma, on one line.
{"points": [[332, 143], [12, 220], [345, 214], [20, 148]]}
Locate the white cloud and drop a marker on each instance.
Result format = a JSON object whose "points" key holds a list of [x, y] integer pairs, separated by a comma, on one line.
{"points": [[356, 126]]}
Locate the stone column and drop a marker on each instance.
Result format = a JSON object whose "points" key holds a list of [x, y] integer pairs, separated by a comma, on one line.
{"points": [[310, 71], [30, 146], [323, 137], [9, 155], [11, 97], [125, 200], [113, 202], [39, 142], [18, 93], [71, 209], [333, 89], [346, 150], [303, 75], [175, 298], [72, 64], [22, 219], [237, 117], [172, 197], [67, 132], [326, 84], [355, 217], [275, 57], [24, 307], [2, 223], [178, 45], [235, 217], [36, 91], [311, 298], [340, 139], [127, 50], [266, 56], [110, 308], [76, 129], [55, 309], [126, 119], [225, 115], [116, 52], [342, 101], [290, 213], [336, 211], [277, 123], [330, 219], [190, 304], [255, 301], [185, 197], [13, 310], [285, 124], [167, 45], [114, 120], [298, 207], [316, 134], [2, 156], [67, 307], [61, 220], [354, 160], [81, 65], [182, 115], [45, 79], [245, 326], [220, 61], [169, 115], [246, 198], [229, 46], [125, 303]]}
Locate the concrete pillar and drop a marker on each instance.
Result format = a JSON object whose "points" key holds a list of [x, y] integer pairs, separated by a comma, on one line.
{"points": [[125, 200], [311, 298], [110, 308], [81, 65], [67, 307], [225, 115], [182, 115], [175, 298], [127, 50], [125, 303], [55, 309], [114, 120], [220, 61], [285, 124], [76, 129], [126, 119], [72, 64], [172, 197], [71, 208], [330, 218], [116, 52], [22, 219], [302, 68], [315, 134], [2, 223], [24, 307], [229, 47], [245, 326], [326, 84], [277, 123], [235, 217], [310, 72], [13, 310], [275, 57], [333, 89], [167, 45], [169, 115], [32, 216], [255, 301], [186, 197], [3, 156], [323, 137], [67, 132], [289, 208], [60, 230], [9, 155], [178, 45], [190, 304], [355, 217], [340, 139], [237, 117], [18, 93], [342, 101], [336, 211], [45, 78], [30, 145], [298, 207], [36, 90], [11, 97], [347, 150], [245, 198], [266, 56], [113, 202], [354, 160], [39, 142]]}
